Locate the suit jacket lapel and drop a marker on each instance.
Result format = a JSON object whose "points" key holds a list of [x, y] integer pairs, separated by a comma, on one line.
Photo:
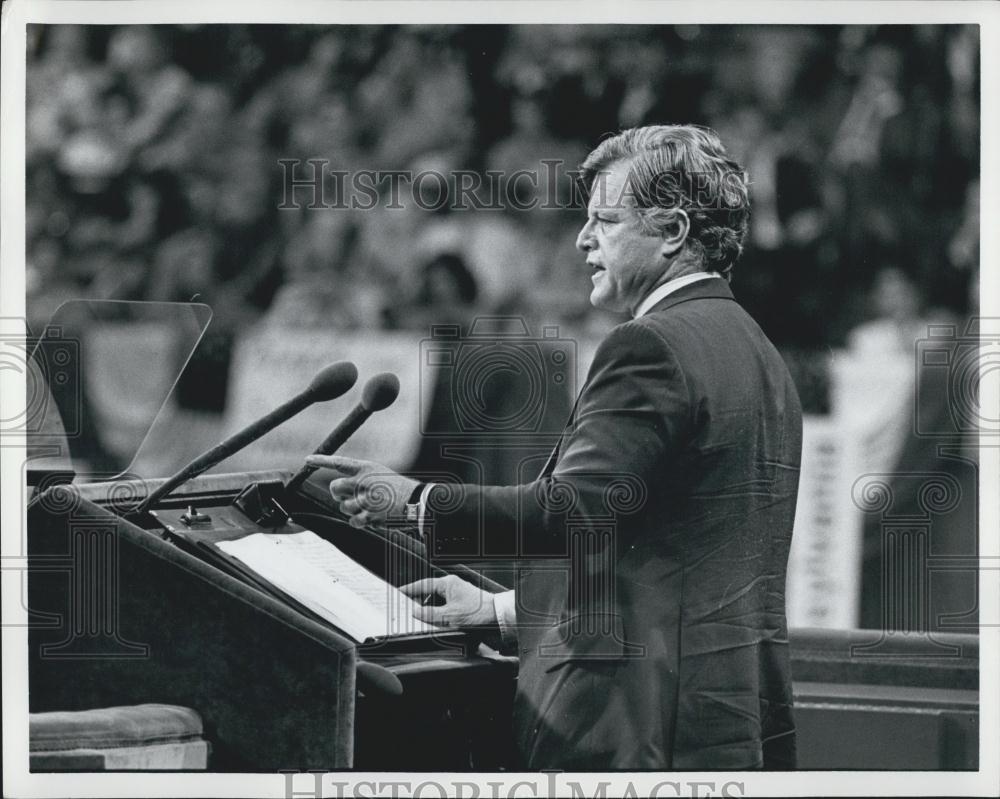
{"points": [[713, 288]]}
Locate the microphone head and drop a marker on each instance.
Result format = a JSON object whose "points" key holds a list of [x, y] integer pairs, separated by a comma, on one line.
{"points": [[379, 678], [380, 392], [333, 381]]}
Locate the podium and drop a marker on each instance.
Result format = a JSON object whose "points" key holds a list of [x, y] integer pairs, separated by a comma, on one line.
{"points": [[119, 615]]}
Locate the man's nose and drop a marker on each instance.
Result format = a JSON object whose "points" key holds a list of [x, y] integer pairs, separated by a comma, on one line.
{"points": [[585, 239]]}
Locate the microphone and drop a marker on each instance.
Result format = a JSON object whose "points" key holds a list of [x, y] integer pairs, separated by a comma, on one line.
{"points": [[328, 384], [377, 679], [378, 394]]}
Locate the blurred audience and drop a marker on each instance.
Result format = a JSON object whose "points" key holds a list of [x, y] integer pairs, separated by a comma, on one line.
{"points": [[153, 161]]}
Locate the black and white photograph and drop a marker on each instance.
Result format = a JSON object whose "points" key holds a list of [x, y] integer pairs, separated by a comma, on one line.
{"points": [[499, 400]]}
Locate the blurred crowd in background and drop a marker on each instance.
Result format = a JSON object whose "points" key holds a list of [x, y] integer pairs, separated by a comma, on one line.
{"points": [[153, 167]]}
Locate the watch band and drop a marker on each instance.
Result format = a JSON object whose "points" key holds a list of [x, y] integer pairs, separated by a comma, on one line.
{"points": [[413, 503], [415, 495]]}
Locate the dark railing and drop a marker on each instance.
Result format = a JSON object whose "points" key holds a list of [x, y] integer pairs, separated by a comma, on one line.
{"points": [[867, 699]]}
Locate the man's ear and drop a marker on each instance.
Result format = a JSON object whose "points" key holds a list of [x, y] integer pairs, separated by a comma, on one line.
{"points": [[675, 233]]}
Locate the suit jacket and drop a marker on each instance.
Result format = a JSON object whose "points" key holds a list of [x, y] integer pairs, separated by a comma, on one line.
{"points": [[653, 551]]}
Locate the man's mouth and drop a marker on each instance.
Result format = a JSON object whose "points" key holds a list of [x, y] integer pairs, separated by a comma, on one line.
{"points": [[595, 267]]}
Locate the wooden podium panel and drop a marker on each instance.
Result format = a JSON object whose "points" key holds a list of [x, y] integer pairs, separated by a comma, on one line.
{"points": [[122, 617]]}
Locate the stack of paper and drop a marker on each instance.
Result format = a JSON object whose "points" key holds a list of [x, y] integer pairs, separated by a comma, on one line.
{"points": [[328, 582]]}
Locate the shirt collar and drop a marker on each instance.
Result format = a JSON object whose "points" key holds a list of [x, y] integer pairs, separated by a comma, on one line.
{"points": [[670, 287]]}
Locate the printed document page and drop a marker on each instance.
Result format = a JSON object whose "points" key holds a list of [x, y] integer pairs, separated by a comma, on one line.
{"points": [[328, 582]]}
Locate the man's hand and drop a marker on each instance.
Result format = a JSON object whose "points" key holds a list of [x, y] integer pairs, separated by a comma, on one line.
{"points": [[463, 604], [367, 492]]}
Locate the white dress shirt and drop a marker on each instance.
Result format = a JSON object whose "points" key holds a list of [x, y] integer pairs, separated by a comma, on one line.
{"points": [[670, 287]]}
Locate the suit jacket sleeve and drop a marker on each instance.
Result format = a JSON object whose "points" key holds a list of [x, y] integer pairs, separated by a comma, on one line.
{"points": [[633, 413]]}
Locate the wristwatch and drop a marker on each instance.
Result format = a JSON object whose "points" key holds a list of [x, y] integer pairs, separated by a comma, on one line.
{"points": [[413, 503]]}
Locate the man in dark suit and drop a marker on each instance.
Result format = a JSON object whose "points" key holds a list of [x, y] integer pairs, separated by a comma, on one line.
{"points": [[671, 495]]}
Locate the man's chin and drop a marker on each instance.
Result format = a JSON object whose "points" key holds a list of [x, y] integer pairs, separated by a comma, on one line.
{"points": [[600, 299]]}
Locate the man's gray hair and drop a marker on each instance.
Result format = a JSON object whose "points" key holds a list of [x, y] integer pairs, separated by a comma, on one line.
{"points": [[685, 167]]}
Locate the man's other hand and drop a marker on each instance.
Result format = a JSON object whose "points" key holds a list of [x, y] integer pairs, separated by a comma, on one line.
{"points": [[451, 602], [367, 492]]}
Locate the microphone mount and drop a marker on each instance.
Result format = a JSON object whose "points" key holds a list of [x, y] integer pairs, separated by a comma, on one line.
{"points": [[259, 502]]}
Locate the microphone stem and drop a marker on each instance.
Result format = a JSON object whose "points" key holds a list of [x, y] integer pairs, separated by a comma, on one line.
{"points": [[230, 446], [331, 444]]}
